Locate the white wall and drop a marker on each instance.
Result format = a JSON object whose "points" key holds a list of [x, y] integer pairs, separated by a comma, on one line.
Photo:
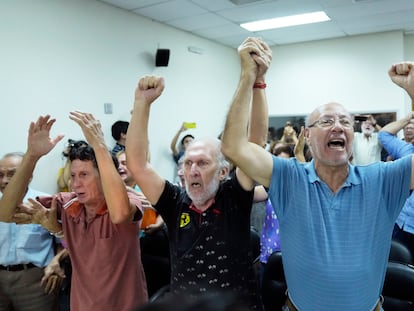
{"points": [[409, 47], [351, 71], [59, 55]]}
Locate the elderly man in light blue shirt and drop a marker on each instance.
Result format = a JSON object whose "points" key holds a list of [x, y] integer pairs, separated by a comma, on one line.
{"points": [[398, 148], [25, 249], [336, 229]]}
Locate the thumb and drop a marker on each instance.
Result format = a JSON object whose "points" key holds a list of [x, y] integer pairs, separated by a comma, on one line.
{"points": [[53, 206], [57, 139]]}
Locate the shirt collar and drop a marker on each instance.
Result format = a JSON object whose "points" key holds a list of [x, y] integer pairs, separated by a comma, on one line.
{"points": [[74, 208], [352, 179], [194, 208]]}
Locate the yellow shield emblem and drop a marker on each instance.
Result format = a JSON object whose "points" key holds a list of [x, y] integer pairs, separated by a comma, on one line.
{"points": [[184, 219]]}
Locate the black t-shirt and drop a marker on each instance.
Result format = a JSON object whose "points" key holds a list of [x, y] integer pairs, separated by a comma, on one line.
{"points": [[210, 250]]}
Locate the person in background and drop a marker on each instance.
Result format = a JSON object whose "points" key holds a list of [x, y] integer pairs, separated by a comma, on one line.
{"points": [[397, 148], [408, 132], [301, 150], [408, 136], [367, 148], [119, 131], [290, 136], [25, 250], [342, 217], [180, 172], [151, 221], [178, 151], [209, 222], [99, 221]]}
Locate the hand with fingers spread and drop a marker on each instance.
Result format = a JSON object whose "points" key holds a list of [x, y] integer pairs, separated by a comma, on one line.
{"points": [[39, 141], [54, 274], [51, 283], [91, 128], [34, 212]]}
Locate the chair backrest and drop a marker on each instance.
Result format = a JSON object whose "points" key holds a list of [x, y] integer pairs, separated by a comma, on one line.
{"points": [[274, 283], [400, 253], [160, 293], [398, 288]]}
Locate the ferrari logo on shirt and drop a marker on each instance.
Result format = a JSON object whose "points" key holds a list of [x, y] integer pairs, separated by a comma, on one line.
{"points": [[184, 220]]}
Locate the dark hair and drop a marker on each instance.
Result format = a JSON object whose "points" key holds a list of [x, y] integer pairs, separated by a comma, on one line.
{"points": [[118, 128], [188, 135], [80, 150], [283, 148], [73, 143]]}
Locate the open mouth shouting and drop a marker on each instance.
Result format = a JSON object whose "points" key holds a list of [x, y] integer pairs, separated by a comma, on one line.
{"points": [[337, 144]]}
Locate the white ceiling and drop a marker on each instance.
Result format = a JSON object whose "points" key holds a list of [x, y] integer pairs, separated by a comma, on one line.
{"points": [[219, 20]]}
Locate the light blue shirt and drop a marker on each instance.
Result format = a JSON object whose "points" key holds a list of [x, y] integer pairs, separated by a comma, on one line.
{"points": [[22, 244], [398, 148], [336, 245]]}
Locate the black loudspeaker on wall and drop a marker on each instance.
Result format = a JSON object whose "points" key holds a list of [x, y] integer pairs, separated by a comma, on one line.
{"points": [[162, 57]]}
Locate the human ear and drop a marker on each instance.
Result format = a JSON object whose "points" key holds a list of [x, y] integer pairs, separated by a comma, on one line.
{"points": [[223, 173]]}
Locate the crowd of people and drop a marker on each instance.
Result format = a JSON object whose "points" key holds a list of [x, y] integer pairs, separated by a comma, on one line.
{"points": [[329, 201]]}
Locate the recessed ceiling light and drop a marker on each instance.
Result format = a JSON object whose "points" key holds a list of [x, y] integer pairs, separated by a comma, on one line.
{"points": [[287, 21]]}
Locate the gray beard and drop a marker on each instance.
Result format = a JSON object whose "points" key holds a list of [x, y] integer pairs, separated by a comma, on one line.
{"points": [[209, 192]]}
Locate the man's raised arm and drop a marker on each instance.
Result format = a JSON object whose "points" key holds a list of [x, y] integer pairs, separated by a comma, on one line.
{"points": [[39, 143], [137, 144], [250, 158], [402, 74]]}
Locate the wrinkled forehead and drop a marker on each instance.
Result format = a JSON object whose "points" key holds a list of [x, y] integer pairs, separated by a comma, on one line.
{"points": [[201, 150], [80, 165], [329, 110], [198, 152], [10, 163]]}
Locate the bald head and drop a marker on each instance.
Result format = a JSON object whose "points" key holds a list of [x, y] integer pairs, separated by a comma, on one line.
{"points": [[331, 108]]}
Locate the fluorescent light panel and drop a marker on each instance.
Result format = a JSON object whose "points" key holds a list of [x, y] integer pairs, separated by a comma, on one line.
{"points": [[287, 21]]}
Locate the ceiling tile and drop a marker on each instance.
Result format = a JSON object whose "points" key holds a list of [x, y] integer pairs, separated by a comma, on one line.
{"points": [[214, 5], [171, 10], [203, 21], [223, 31], [219, 20], [133, 4]]}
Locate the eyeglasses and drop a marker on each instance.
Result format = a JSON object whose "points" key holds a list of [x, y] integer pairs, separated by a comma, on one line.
{"points": [[329, 122]]}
